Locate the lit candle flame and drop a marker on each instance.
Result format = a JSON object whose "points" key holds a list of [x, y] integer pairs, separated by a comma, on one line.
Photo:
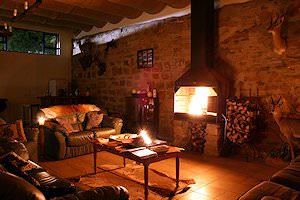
{"points": [[41, 121], [146, 138]]}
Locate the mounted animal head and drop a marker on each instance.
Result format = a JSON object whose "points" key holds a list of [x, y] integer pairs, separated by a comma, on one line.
{"points": [[275, 29], [275, 105]]}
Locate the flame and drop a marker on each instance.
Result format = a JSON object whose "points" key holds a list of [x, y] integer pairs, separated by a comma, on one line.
{"points": [[145, 137], [198, 104], [41, 121]]}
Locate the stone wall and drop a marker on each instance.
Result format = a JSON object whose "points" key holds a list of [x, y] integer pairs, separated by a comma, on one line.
{"points": [[244, 52], [170, 40]]}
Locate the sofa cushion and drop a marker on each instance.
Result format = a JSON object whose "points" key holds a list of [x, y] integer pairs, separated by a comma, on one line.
{"points": [[104, 132], [50, 185], [289, 176], [57, 111], [14, 187], [270, 190], [79, 138], [85, 108], [93, 119], [18, 166], [14, 131], [7, 145], [70, 123]]}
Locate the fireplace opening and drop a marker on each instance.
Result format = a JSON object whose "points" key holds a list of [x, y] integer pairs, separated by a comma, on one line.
{"points": [[195, 101]]}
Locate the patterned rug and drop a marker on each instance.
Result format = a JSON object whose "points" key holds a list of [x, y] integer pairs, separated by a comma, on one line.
{"points": [[161, 185]]}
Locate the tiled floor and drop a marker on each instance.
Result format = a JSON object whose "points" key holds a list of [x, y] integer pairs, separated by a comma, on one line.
{"points": [[216, 177]]}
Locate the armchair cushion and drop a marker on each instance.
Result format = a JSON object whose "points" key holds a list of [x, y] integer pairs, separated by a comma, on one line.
{"points": [[79, 138], [14, 187], [69, 122], [94, 119], [8, 145], [14, 131]]}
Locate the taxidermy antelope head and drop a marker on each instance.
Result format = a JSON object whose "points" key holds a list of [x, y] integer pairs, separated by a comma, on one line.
{"points": [[275, 30]]}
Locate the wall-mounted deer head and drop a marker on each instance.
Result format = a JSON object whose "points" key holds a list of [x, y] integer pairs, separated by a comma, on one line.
{"points": [[275, 30]]}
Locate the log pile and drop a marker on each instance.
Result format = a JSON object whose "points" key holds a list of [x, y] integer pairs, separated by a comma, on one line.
{"points": [[198, 135], [241, 117]]}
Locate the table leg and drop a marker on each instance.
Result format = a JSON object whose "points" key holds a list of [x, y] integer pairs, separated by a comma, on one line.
{"points": [[95, 158], [146, 181], [177, 170]]}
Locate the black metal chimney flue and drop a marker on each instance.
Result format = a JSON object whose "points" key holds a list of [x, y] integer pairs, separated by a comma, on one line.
{"points": [[202, 46]]}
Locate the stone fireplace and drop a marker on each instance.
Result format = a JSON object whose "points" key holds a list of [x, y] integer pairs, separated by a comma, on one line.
{"points": [[199, 93]]}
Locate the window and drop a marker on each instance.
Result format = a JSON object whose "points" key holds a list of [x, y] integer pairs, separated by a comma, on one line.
{"points": [[3, 43], [29, 41]]}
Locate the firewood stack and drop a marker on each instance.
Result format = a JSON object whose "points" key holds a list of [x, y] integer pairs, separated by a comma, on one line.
{"points": [[241, 117], [198, 134]]}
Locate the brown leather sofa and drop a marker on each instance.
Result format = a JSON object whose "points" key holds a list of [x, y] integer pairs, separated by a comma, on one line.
{"points": [[60, 145], [23, 179], [284, 184]]}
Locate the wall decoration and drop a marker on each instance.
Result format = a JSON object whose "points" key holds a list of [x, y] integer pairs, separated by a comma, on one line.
{"points": [[145, 58]]}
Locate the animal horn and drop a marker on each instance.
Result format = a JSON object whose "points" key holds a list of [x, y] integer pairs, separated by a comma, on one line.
{"points": [[278, 100]]}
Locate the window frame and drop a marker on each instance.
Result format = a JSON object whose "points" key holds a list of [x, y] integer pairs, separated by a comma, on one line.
{"points": [[57, 48]]}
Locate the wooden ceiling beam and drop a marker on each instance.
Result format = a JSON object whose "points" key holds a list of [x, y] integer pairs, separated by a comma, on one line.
{"points": [[105, 7], [151, 7], [81, 11], [177, 3], [51, 22], [69, 17]]}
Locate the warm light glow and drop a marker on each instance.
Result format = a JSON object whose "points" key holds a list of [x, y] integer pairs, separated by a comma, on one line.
{"points": [[15, 12], [5, 25], [193, 100], [198, 104], [41, 121], [25, 5], [146, 138]]}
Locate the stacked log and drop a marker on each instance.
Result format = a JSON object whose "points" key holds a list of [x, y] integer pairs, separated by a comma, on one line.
{"points": [[198, 134], [241, 117]]}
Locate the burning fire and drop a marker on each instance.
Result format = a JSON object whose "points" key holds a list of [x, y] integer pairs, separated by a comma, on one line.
{"points": [[145, 137], [193, 100], [198, 105]]}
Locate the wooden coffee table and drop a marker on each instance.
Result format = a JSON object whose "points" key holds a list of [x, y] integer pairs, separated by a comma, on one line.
{"points": [[115, 148]]}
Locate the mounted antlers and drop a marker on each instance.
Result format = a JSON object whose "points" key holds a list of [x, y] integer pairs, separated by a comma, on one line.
{"points": [[290, 128], [275, 29]]}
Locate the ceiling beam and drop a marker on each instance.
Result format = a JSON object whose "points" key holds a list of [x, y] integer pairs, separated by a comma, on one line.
{"points": [[178, 3], [151, 7], [69, 17], [104, 6]]}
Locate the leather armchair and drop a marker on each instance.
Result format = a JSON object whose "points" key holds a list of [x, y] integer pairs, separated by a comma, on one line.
{"points": [[23, 179], [59, 144]]}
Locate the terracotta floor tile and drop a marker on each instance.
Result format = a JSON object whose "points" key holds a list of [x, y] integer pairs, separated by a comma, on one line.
{"points": [[216, 178]]}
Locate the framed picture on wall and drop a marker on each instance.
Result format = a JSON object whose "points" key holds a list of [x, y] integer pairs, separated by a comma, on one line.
{"points": [[145, 58]]}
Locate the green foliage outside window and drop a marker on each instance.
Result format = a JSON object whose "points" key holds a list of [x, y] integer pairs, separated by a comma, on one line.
{"points": [[29, 41]]}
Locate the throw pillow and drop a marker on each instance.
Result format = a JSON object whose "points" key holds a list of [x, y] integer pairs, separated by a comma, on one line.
{"points": [[70, 123], [65, 123], [14, 131], [7, 145], [94, 119], [18, 166]]}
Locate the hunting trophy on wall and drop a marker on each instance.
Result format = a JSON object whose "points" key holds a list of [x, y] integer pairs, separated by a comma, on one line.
{"points": [[91, 53], [275, 29]]}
